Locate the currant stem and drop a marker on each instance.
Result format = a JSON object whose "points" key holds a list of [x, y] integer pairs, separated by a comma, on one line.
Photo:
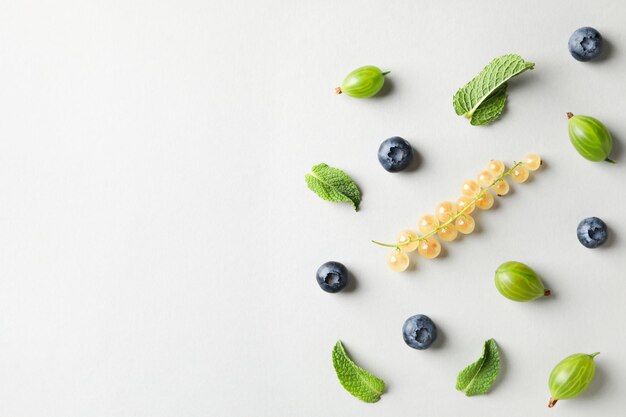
{"points": [[387, 245], [459, 214]]}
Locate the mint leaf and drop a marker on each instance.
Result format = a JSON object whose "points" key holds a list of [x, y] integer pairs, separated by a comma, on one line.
{"points": [[485, 86], [478, 377], [357, 381], [491, 108], [333, 184]]}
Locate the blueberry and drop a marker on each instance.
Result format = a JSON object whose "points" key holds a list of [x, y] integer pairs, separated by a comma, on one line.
{"points": [[395, 154], [419, 332], [332, 276], [585, 44], [592, 232]]}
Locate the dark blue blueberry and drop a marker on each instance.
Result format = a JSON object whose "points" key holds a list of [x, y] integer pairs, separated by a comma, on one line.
{"points": [[419, 332], [585, 44], [332, 276], [395, 154], [592, 232]]}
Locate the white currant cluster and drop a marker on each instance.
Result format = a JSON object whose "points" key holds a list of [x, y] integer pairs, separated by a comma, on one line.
{"points": [[450, 218]]}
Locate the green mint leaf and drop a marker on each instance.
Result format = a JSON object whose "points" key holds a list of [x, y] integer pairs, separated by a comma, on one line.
{"points": [[486, 84], [478, 377], [333, 184], [491, 108], [357, 381]]}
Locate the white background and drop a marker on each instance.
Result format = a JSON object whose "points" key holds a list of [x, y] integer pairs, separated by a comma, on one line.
{"points": [[158, 244]]}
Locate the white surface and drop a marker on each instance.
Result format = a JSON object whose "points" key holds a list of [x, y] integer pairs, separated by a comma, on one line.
{"points": [[159, 245]]}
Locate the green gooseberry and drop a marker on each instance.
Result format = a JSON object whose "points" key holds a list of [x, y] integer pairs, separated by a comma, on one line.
{"points": [[518, 282], [363, 82], [571, 377], [590, 137]]}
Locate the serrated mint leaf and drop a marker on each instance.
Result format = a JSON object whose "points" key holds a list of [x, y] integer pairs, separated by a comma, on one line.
{"points": [[333, 184], [491, 108], [484, 89], [478, 377], [357, 381]]}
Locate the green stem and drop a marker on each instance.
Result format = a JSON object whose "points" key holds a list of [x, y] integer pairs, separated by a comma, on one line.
{"points": [[385, 244], [385, 73], [457, 215], [593, 355], [610, 160]]}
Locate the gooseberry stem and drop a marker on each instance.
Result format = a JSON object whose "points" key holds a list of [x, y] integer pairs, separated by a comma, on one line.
{"points": [[452, 219], [385, 73], [569, 115], [338, 90], [547, 293], [552, 402], [610, 160]]}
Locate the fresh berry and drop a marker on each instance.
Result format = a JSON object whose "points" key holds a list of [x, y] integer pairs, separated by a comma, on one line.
{"points": [[592, 232], [332, 276], [395, 154], [398, 260], [585, 44], [518, 282], [590, 137], [419, 332], [450, 218], [363, 82], [571, 377]]}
